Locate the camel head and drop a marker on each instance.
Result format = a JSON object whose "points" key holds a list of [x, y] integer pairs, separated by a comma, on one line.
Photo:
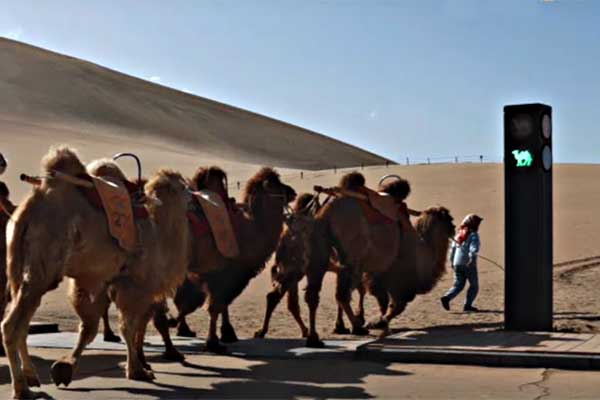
{"points": [[210, 178], [265, 190], [436, 223]]}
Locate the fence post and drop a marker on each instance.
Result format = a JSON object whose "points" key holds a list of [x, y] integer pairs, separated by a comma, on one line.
{"points": [[387, 164], [238, 185], [428, 161], [335, 170], [301, 175], [481, 159], [407, 161], [456, 160]]}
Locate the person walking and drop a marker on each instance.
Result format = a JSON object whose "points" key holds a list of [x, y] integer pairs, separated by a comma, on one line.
{"points": [[463, 258]]}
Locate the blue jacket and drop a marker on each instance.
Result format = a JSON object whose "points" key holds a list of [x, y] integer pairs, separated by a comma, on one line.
{"points": [[462, 254]]}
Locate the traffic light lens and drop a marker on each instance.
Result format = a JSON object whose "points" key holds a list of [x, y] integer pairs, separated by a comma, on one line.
{"points": [[546, 126], [547, 158], [523, 158], [521, 126]]}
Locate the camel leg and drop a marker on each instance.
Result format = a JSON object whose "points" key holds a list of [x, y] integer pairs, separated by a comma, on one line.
{"points": [[14, 331], [294, 308], [139, 339], [360, 312], [380, 293], [3, 300], [315, 282], [109, 335], [343, 295], [132, 326], [162, 326], [89, 315], [340, 326], [396, 307], [273, 299], [227, 332], [187, 300], [212, 341]]}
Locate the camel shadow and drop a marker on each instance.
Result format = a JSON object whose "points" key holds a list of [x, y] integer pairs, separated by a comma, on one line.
{"points": [[264, 378]]}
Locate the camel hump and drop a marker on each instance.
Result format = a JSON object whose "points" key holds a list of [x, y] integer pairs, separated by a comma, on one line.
{"points": [[219, 221], [62, 159]]}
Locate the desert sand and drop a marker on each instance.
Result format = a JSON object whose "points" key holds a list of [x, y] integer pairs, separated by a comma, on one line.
{"points": [[39, 106]]}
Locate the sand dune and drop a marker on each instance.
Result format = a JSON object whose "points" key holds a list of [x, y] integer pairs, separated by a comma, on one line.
{"points": [[71, 95]]}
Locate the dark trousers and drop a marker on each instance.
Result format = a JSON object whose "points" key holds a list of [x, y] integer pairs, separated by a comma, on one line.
{"points": [[462, 274]]}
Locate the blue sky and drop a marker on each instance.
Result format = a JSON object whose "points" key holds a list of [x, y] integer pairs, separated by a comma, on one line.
{"points": [[400, 78]]}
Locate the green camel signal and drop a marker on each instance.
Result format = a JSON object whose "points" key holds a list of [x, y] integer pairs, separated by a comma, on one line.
{"points": [[523, 158]]}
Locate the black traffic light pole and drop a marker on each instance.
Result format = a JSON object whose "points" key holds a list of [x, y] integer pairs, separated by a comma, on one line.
{"points": [[528, 217]]}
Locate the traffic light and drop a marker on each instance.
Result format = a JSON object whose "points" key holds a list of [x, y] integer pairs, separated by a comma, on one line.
{"points": [[528, 217]]}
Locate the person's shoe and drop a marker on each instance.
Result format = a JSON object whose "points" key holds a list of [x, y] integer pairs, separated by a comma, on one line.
{"points": [[445, 303], [470, 309]]}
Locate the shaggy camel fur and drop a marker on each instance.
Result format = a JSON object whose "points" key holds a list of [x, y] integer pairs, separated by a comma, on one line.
{"points": [[361, 247], [56, 232], [6, 209], [420, 264], [291, 260], [258, 229]]}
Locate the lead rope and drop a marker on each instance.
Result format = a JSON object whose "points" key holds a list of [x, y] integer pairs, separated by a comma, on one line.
{"points": [[494, 263]]}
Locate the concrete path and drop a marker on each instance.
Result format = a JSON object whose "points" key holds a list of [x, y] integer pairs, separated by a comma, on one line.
{"points": [[490, 348]]}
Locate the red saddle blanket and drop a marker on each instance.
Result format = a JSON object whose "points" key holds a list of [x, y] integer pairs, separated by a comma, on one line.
{"points": [[139, 211], [215, 215]]}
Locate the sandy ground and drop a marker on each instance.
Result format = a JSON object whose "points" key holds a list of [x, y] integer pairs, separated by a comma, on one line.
{"points": [[463, 188]]}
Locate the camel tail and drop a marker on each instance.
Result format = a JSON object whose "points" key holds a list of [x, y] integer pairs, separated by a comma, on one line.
{"points": [[15, 249]]}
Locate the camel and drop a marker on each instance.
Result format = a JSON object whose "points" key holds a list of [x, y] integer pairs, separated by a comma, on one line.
{"points": [[291, 259], [6, 209], [57, 233], [363, 247], [258, 229]]}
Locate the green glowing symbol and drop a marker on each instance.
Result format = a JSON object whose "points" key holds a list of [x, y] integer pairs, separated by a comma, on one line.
{"points": [[523, 158]]}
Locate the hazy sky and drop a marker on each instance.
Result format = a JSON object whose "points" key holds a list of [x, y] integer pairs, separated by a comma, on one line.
{"points": [[400, 78]]}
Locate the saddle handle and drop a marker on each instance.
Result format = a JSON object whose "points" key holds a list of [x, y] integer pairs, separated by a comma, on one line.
{"points": [[137, 161]]}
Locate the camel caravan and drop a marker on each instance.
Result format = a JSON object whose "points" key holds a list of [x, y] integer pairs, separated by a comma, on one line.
{"points": [[139, 242]]}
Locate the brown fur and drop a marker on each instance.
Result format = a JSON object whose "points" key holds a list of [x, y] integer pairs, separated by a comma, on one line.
{"points": [[361, 248], [258, 231], [212, 178], [352, 181], [399, 189], [55, 232]]}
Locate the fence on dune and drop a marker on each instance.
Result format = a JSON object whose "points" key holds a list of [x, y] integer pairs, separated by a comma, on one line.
{"points": [[407, 161]]}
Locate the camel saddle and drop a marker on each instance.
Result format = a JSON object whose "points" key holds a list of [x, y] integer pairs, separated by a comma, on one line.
{"points": [[219, 219], [118, 209], [382, 202]]}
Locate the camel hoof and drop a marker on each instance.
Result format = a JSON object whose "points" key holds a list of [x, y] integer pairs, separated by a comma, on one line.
{"points": [[173, 355], [141, 375], [377, 324], [62, 373], [341, 330], [33, 380], [228, 334], [147, 366], [360, 331], [360, 319], [111, 337], [304, 333], [186, 332], [172, 322], [213, 346], [314, 342], [260, 334], [23, 394]]}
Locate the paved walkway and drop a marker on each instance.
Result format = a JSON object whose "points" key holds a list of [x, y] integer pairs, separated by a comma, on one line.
{"points": [[275, 368], [492, 348]]}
